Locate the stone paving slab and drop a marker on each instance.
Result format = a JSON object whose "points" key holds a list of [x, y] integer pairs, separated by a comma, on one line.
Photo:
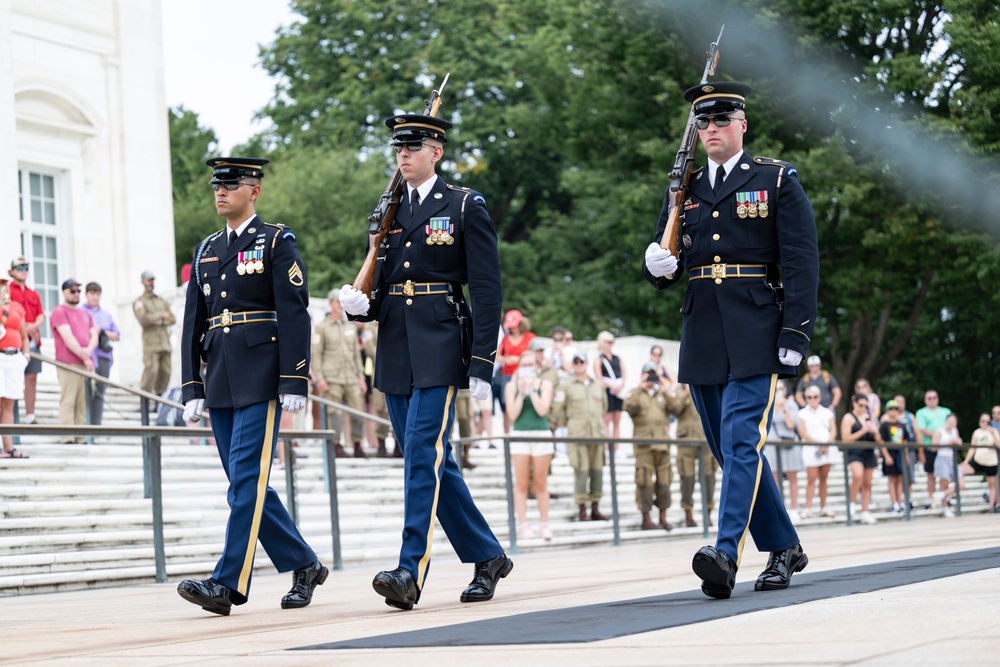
{"points": [[948, 619]]}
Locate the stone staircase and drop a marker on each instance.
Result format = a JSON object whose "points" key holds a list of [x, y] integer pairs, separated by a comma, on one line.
{"points": [[75, 516]]}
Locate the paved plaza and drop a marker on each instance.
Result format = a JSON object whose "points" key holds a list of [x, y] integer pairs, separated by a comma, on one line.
{"points": [[925, 592]]}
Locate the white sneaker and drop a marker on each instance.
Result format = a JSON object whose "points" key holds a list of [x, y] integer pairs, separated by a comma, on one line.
{"points": [[867, 518], [524, 532], [949, 513], [794, 516], [546, 532], [29, 419]]}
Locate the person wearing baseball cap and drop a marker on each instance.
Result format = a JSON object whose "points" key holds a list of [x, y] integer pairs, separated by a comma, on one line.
{"points": [[34, 317], [748, 314], [154, 315]]}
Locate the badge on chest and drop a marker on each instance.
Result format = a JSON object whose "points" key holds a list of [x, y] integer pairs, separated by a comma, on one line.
{"points": [[439, 231], [751, 204], [250, 261]]}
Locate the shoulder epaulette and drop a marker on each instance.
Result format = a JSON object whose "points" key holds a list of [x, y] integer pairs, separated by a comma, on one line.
{"points": [[788, 166], [476, 196]]}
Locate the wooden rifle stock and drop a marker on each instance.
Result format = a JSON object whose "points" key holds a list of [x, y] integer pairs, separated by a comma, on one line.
{"points": [[381, 217], [680, 175]]}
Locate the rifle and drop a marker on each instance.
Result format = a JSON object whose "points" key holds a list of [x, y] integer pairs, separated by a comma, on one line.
{"points": [[680, 175], [384, 212]]}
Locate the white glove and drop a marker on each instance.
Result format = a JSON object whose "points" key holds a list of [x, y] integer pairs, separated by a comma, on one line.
{"points": [[659, 261], [193, 410], [292, 402], [354, 301], [789, 357], [479, 389]]}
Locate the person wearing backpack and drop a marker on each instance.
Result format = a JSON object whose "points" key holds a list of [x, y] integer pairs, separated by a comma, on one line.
{"points": [[829, 388]]}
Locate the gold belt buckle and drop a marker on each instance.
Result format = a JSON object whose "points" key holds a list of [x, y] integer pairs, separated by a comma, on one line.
{"points": [[718, 271], [408, 288], [227, 318]]}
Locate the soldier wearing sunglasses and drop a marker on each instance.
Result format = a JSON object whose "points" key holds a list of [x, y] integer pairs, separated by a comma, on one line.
{"points": [[748, 244]]}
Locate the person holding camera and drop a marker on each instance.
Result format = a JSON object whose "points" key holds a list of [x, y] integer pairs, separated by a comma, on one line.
{"points": [[103, 355], [858, 426]]}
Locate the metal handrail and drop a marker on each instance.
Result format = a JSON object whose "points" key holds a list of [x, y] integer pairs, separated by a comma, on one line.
{"points": [[152, 436]]}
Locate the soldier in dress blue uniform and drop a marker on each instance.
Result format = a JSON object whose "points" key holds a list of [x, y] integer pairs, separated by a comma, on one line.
{"points": [[748, 243], [431, 345], [245, 280]]}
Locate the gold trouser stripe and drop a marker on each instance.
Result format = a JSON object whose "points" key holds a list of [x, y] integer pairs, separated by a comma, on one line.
{"points": [[762, 430], [439, 449], [266, 453]]}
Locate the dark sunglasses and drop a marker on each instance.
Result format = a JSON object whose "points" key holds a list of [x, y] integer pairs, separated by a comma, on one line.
{"points": [[75, 290], [579, 361], [20, 267], [413, 146], [229, 186], [720, 121]]}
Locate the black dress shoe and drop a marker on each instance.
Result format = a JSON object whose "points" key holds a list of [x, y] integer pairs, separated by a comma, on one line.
{"points": [[397, 587], [780, 568], [717, 572], [484, 582], [210, 595], [304, 582]]}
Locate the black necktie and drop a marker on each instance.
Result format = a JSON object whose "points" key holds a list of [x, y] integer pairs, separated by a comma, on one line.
{"points": [[232, 236], [720, 174], [414, 200]]}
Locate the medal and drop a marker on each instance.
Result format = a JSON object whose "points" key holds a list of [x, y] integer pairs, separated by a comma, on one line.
{"points": [[752, 209], [240, 269], [259, 266], [762, 206], [430, 239], [449, 239]]}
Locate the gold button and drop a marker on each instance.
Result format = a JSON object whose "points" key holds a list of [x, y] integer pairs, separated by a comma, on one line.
{"points": [[715, 237], [715, 214], [222, 277], [717, 259], [718, 281], [273, 339], [409, 302], [408, 243], [225, 329], [406, 265], [223, 295]]}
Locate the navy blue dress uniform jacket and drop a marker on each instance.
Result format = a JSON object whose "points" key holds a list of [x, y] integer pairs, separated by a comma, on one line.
{"points": [[420, 339], [735, 327], [255, 361]]}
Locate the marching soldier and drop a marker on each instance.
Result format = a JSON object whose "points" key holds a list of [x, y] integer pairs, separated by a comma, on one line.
{"points": [[647, 406], [441, 239], [245, 280], [338, 373], [748, 242], [691, 457], [156, 318]]}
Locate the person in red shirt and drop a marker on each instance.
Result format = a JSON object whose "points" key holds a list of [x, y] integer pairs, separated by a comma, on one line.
{"points": [[517, 337], [13, 358], [34, 318]]}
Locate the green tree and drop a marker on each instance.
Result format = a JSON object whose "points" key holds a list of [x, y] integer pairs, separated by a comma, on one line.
{"points": [[194, 215], [567, 117]]}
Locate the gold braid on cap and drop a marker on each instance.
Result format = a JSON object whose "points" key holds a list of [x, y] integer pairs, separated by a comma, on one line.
{"points": [[429, 127]]}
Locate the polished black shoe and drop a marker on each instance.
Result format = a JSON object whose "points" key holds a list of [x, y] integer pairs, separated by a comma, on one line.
{"points": [[304, 582], [397, 587], [210, 595], [717, 572], [780, 568], [484, 582]]}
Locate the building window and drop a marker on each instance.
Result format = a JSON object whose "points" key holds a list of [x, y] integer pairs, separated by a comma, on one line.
{"points": [[39, 208]]}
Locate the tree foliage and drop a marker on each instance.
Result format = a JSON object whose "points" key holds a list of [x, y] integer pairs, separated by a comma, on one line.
{"points": [[568, 113]]}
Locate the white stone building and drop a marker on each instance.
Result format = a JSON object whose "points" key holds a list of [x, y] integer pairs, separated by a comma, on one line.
{"points": [[85, 185]]}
